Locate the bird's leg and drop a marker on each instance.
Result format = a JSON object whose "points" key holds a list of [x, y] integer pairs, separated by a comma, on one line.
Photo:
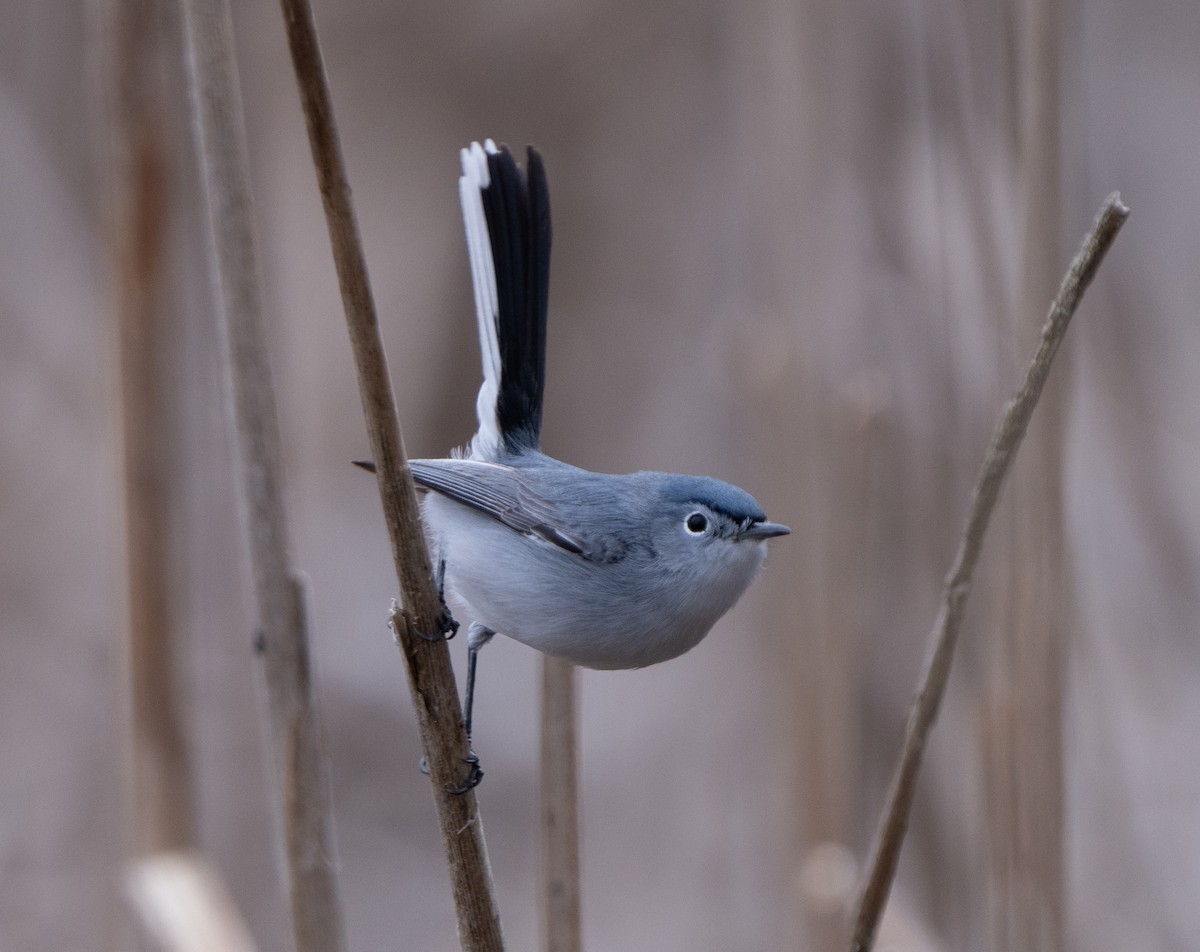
{"points": [[446, 623], [447, 626], [477, 636]]}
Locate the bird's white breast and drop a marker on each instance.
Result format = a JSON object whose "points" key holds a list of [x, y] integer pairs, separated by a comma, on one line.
{"points": [[625, 614]]}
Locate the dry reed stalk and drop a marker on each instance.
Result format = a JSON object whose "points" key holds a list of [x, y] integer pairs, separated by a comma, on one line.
{"points": [[1025, 693], [316, 912], [828, 681], [161, 775], [430, 675], [1005, 441], [561, 925]]}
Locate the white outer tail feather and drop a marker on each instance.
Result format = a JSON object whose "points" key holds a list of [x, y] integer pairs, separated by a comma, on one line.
{"points": [[488, 442]]}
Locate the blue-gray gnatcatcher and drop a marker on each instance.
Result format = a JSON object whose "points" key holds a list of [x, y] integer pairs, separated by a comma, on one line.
{"points": [[601, 570]]}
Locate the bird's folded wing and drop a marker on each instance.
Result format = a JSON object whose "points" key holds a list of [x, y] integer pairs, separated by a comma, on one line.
{"points": [[503, 493]]}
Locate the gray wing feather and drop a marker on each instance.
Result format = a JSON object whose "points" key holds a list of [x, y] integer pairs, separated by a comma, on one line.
{"points": [[503, 493]]}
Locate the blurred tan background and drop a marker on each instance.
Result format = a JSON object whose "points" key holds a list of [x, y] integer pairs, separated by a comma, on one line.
{"points": [[788, 254]]}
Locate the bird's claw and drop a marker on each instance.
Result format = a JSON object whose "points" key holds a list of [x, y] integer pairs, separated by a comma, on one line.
{"points": [[447, 627], [474, 774], [446, 623]]}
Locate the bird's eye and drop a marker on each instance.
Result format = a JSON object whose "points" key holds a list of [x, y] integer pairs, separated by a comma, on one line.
{"points": [[696, 523]]}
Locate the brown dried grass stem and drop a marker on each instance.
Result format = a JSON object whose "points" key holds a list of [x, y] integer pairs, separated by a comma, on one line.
{"points": [[561, 925], [430, 675], [304, 785], [161, 768], [1006, 440]]}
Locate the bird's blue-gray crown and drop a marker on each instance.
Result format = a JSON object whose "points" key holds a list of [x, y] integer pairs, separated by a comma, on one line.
{"points": [[719, 496]]}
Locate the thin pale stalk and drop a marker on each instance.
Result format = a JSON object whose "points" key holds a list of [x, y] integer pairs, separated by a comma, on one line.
{"points": [[316, 911], [1024, 693], [1005, 441], [161, 775], [430, 675], [561, 926]]}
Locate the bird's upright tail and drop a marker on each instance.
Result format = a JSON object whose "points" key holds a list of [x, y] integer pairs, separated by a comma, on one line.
{"points": [[507, 215]]}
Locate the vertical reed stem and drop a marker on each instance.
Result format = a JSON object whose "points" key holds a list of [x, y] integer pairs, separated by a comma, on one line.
{"points": [[316, 911], [561, 927]]}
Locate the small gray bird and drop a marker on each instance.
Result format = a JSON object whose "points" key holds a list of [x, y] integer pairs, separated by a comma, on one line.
{"points": [[601, 570]]}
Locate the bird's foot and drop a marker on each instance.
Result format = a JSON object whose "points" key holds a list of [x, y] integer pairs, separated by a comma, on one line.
{"points": [[473, 778], [447, 627], [474, 775]]}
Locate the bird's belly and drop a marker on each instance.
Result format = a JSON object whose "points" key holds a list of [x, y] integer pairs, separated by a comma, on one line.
{"points": [[594, 614]]}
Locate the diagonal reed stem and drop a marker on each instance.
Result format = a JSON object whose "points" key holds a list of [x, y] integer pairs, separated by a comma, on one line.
{"points": [[1006, 440], [430, 675]]}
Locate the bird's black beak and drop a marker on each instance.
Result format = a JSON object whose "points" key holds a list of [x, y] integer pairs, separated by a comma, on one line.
{"points": [[364, 464], [764, 530]]}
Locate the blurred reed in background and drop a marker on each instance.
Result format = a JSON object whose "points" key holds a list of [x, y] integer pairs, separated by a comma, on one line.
{"points": [[791, 250]]}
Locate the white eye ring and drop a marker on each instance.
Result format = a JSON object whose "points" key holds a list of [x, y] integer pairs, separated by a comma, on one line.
{"points": [[696, 523]]}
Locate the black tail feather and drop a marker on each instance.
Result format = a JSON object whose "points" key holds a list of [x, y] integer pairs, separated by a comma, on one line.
{"points": [[517, 206]]}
